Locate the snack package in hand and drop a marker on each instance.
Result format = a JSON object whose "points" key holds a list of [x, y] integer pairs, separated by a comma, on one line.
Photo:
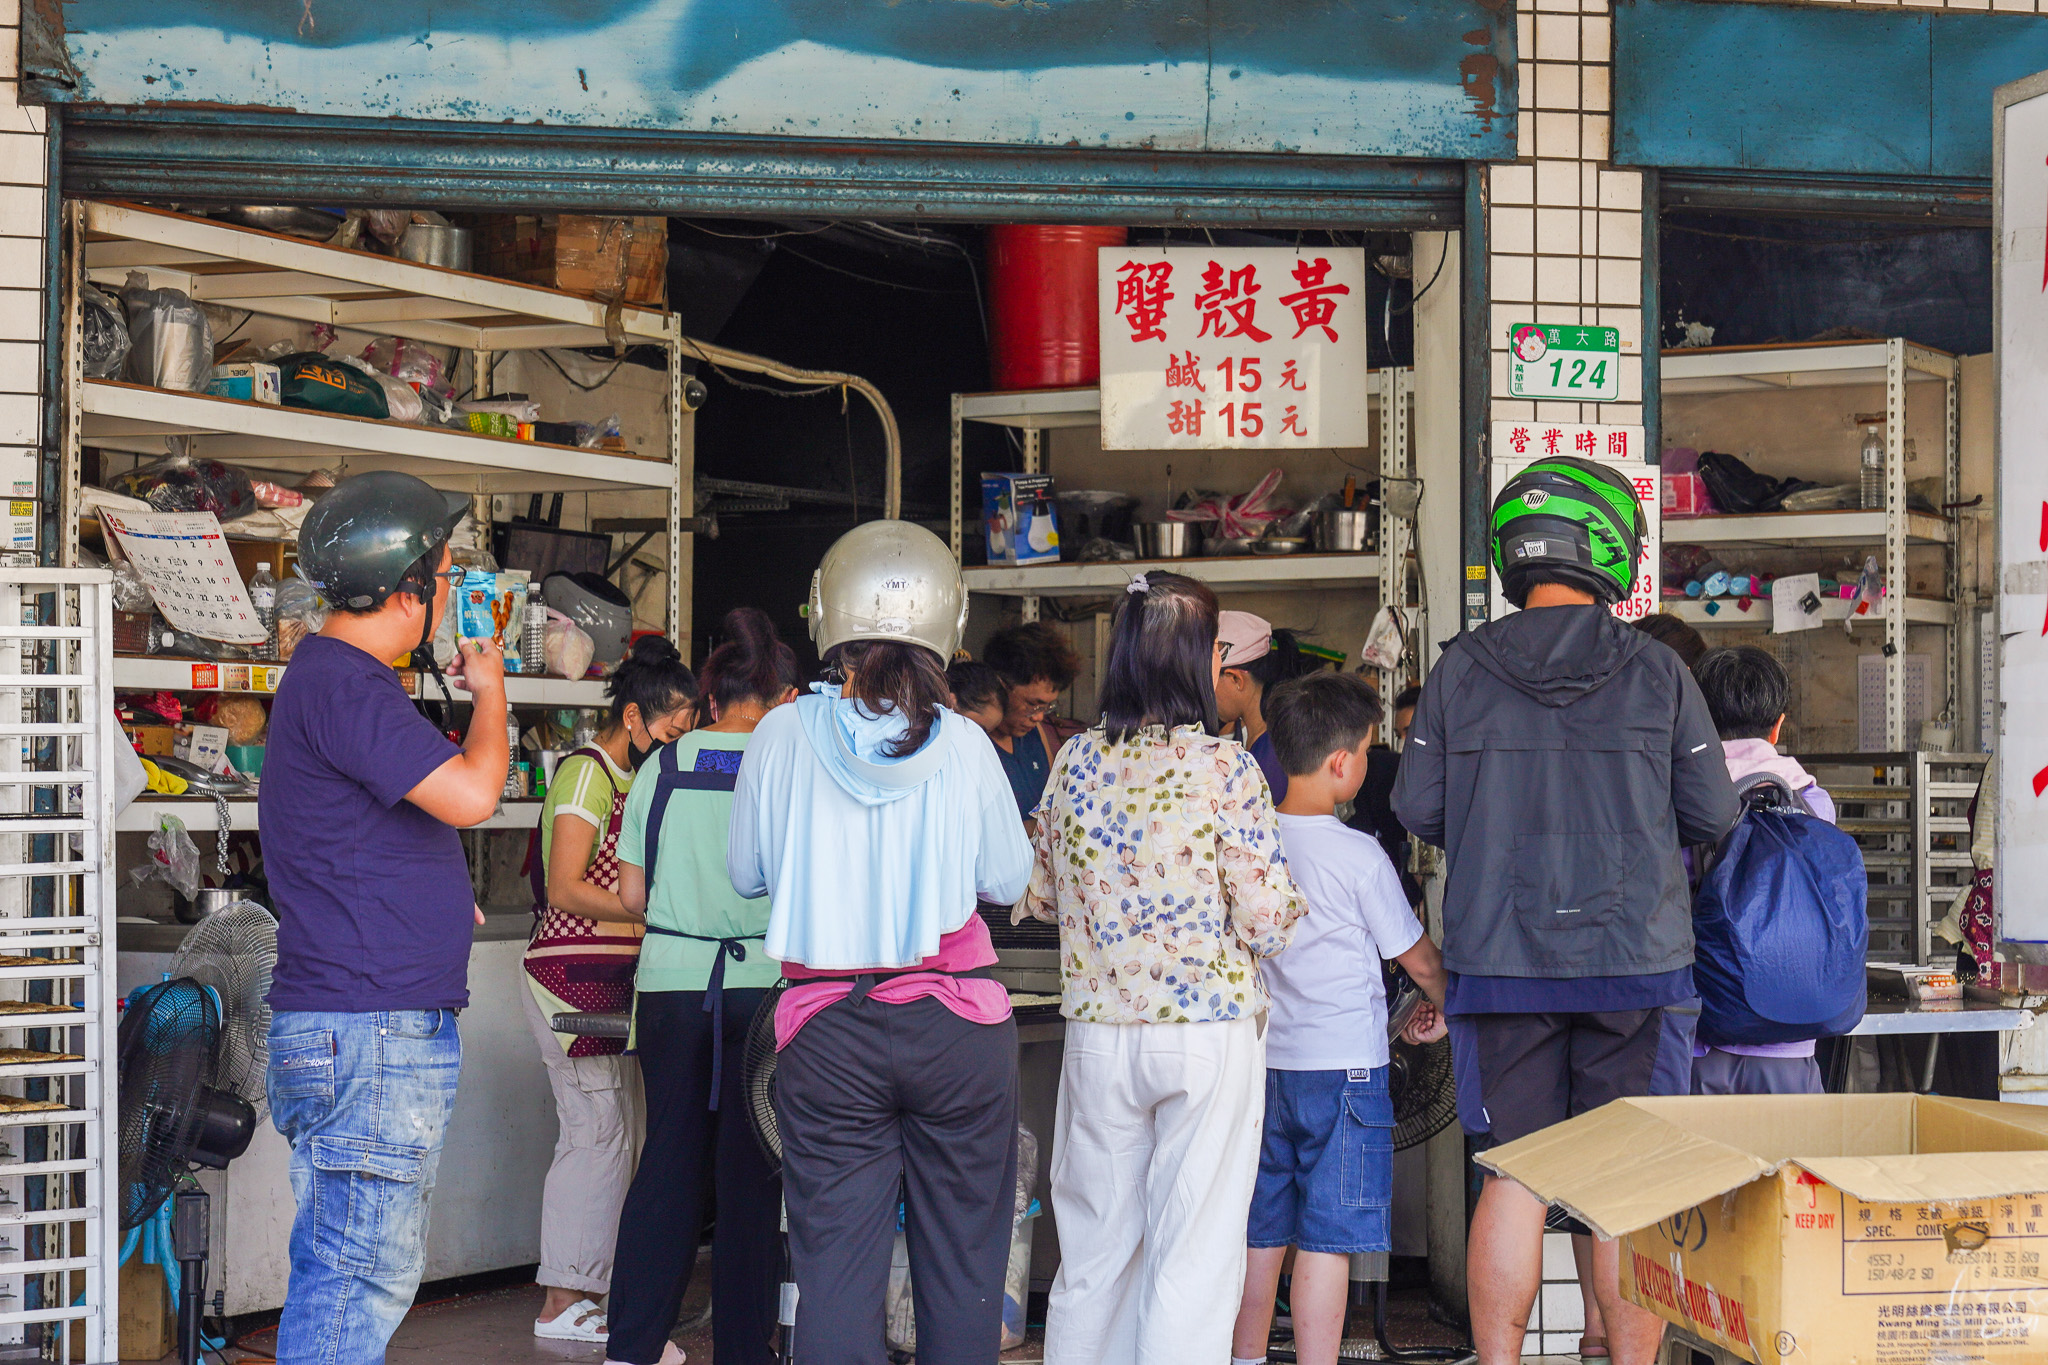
{"points": [[492, 607]]}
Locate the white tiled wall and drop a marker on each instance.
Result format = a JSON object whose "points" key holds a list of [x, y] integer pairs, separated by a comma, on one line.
{"points": [[1566, 230], [22, 205], [1560, 1314], [1566, 227]]}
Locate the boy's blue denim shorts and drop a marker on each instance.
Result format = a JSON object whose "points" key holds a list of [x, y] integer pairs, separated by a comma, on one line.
{"points": [[1326, 1166]]}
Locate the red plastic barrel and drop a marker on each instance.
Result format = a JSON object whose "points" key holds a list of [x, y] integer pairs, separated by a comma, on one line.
{"points": [[1042, 305]]}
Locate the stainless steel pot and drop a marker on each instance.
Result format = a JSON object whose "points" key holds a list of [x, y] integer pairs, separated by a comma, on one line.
{"points": [[1340, 532], [433, 244], [1163, 539]]}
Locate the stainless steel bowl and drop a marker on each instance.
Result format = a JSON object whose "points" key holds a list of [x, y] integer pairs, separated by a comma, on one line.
{"points": [[433, 244], [1279, 545], [1227, 545], [1163, 539], [1340, 532]]}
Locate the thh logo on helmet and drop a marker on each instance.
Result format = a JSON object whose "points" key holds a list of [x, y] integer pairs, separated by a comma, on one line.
{"points": [[1534, 498]]}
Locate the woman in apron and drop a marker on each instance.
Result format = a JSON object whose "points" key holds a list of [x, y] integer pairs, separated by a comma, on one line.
{"points": [[581, 956], [703, 972], [872, 815]]}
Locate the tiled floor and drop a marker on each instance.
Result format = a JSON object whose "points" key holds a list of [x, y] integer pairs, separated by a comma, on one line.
{"points": [[495, 1327]]}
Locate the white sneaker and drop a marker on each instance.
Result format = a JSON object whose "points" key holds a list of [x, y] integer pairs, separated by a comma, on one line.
{"points": [[582, 1320], [671, 1354]]}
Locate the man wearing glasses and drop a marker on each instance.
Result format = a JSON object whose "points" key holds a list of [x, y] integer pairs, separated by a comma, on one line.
{"points": [[359, 806], [1036, 664]]}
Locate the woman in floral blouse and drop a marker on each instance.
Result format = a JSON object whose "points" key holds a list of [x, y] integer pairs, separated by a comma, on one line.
{"points": [[1158, 855]]}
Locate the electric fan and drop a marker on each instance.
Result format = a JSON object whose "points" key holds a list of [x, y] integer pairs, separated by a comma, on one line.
{"points": [[234, 951], [758, 1076], [1425, 1100], [193, 1054]]}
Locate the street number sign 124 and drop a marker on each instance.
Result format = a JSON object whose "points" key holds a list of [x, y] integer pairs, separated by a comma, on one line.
{"points": [[1582, 363]]}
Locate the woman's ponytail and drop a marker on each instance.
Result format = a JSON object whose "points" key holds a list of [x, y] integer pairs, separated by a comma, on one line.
{"points": [[751, 664]]}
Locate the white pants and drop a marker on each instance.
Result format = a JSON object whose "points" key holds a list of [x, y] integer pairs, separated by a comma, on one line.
{"points": [[1155, 1152], [599, 1118]]}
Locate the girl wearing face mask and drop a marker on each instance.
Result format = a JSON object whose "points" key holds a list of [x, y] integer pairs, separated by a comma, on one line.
{"points": [[582, 956], [703, 973]]}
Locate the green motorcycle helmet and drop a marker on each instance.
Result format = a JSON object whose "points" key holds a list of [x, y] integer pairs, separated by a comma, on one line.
{"points": [[360, 539], [1572, 521]]}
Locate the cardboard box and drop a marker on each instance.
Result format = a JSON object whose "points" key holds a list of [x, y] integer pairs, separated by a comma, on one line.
{"points": [[1875, 1229], [1017, 513], [597, 257], [154, 741], [149, 1320], [1684, 495], [250, 381]]}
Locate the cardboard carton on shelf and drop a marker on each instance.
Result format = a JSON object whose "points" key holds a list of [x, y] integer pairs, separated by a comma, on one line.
{"points": [[1879, 1229], [598, 257]]}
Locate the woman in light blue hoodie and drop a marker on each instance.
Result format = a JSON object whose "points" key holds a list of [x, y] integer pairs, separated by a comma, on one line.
{"points": [[874, 816]]}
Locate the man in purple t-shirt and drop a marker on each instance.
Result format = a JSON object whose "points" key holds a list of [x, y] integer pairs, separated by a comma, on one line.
{"points": [[360, 802]]}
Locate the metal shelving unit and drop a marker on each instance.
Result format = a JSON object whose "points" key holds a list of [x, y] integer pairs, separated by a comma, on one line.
{"points": [[1032, 412], [1909, 812], [59, 1172], [1898, 365], [1944, 785], [288, 277], [202, 815]]}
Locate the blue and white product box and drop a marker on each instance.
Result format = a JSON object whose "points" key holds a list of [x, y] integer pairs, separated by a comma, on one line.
{"points": [[250, 381], [1017, 511]]}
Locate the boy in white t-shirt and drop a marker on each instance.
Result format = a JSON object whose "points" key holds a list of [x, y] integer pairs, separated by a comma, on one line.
{"points": [[1326, 1167]]}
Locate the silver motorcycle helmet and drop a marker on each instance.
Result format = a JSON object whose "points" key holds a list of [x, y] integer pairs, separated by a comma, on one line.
{"points": [[888, 580]]}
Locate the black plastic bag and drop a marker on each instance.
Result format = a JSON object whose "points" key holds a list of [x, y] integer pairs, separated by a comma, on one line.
{"points": [[176, 484], [1738, 489]]}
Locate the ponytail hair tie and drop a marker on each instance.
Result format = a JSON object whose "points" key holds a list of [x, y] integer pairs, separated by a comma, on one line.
{"points": [[1139, 585]]}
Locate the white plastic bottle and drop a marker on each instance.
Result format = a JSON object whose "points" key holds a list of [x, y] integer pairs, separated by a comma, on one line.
{"points": [[534, 635]]}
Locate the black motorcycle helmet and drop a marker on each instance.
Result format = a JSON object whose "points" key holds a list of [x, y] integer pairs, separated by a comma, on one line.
{"points": [[361, 538]]}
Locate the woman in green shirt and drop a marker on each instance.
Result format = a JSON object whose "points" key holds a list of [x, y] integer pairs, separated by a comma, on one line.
{"points": [[580, 957], [702, 975]]}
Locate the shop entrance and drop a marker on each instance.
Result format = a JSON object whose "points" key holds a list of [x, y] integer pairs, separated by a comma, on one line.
{"points": [[756, 386]]}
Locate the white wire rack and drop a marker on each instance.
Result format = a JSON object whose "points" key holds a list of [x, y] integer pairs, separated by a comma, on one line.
{"points": [[59, 1173]]}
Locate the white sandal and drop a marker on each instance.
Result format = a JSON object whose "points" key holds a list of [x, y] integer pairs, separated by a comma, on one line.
{"points": [[582, 1320]]}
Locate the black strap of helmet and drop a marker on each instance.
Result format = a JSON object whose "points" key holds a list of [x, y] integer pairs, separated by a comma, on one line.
{"points": [[421, 586]]}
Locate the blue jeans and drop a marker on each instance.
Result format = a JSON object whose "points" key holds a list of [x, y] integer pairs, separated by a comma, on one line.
{"points": [[364, 1101], [1326, 1162]]}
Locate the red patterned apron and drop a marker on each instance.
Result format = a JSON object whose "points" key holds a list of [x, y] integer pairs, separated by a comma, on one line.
{"points": [[585, 963]]}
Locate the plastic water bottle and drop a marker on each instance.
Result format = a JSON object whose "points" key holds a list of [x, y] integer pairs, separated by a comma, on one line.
{"points": [[533, 638], [263, 596], [1873, 470], [513, 788]]}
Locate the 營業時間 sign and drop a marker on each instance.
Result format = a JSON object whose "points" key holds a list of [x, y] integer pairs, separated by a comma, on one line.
{"points": [[1564, 362], [1259, 348]]}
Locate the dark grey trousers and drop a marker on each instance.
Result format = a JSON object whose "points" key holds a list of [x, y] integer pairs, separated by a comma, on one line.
{"points": [[878, 1103], [1733, 1073]]}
